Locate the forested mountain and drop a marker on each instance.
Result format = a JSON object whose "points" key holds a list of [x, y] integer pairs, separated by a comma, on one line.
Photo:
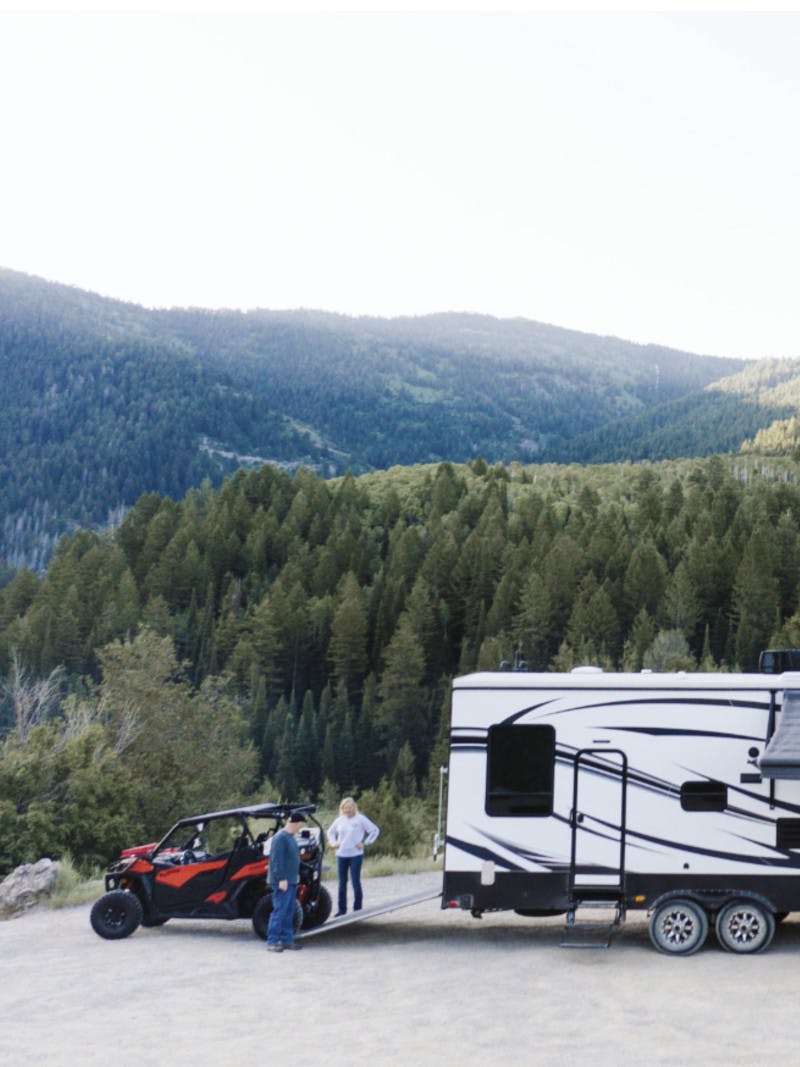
{"points": [[320, 622], [755, 410], [104, 400]]}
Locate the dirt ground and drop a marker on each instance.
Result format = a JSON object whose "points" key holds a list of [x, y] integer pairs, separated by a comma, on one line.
{"points": [[417, 987]]}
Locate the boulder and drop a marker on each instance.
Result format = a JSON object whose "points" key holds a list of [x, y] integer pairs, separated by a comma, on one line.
{"points": [[27, 886]]}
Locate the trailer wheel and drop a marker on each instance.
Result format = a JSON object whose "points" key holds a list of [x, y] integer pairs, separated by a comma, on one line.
{"points": [[744, 926], [678, 927]]}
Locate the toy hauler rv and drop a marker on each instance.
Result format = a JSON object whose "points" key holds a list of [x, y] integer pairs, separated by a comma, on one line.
{"points": [[674, 793]]}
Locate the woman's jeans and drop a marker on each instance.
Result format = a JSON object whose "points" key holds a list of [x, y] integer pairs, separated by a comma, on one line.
{"points": [[351, 864], [280, 930]]}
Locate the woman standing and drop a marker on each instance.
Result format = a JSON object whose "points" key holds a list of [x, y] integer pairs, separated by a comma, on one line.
{"points": [[348, 835]]}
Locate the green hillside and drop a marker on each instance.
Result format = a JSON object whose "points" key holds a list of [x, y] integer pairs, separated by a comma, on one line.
{"points": [[105, 400]]}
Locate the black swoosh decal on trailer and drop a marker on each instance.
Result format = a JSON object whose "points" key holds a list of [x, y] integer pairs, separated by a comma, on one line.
{"points": [[525, 711], [664, 731], [694, 702], [649, 783], [528, 854], [734, 857], [482, 853], [566, 754], [787, 859]]}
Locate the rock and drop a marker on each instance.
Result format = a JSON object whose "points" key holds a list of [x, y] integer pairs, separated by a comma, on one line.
{"points": [[27, 886]]}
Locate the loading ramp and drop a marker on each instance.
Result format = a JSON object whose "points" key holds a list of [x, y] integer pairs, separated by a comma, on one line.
{"points": [[371, 913]]}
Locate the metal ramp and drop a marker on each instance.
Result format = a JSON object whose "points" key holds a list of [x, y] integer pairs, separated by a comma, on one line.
{"points": [[592, 894], [371, 913]]}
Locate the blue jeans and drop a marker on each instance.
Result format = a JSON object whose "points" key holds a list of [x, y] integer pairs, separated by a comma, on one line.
{"points": [[280, 930], [351, 864]]}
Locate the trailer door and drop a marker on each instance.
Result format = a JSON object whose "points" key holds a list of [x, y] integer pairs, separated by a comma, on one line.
{"points": [[598, 816]]}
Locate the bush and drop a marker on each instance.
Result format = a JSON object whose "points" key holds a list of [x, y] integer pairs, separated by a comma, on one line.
{"points": [[403, 821]]}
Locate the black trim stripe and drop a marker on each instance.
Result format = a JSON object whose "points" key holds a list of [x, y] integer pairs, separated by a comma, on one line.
{"points": [[664, 731], [644, 701], [482, 853]]}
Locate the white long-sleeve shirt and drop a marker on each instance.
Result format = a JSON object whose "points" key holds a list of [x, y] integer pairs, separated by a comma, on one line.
{"points": [[350, 831]]}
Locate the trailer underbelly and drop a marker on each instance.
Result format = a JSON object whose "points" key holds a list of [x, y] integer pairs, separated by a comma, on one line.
{"points": [[525, 891]]}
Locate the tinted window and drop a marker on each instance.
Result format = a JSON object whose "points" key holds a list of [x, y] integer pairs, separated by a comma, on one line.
{"points": [[787, 832], [704, 796], [521, 763]]}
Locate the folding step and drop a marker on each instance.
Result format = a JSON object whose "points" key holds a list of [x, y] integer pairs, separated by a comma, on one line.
{"points": [[585, 929]]}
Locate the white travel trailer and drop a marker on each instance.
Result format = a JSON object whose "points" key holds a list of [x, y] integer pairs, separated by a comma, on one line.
{"points": [[675, 793]]}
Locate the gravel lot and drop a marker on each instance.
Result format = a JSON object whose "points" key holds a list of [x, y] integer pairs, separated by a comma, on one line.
{"points": [[417, 987]]}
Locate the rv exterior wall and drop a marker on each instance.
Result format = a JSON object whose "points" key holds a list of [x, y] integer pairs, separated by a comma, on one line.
{"points": [[697, 811]]}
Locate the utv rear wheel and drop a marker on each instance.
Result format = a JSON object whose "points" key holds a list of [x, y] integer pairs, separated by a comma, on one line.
{"points": [[116, 915], [744, 926], [678, 927], [319, 912], [262, 912]]}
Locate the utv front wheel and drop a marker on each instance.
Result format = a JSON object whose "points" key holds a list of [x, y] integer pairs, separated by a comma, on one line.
{"points": [[116, 915], [319, 912], [262, 912]]}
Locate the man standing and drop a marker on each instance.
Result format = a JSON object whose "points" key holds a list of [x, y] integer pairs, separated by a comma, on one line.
{"points": [[284, 871]]}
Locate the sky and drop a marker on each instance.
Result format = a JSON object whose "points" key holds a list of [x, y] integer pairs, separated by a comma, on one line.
{"points": [[634, 174]]}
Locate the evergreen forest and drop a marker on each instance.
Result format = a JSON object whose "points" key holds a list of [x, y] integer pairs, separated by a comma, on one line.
{"points": [[287, 635]]}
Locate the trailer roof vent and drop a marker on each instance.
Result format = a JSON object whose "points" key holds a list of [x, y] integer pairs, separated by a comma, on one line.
{"points": [[586, 670], [781, 757]]}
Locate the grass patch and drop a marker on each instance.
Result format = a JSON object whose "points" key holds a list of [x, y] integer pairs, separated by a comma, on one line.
{"points": [[382, 866], [74, 886]]}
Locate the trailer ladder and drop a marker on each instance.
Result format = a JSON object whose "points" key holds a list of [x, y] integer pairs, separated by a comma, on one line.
{"points": [[592, 896]]}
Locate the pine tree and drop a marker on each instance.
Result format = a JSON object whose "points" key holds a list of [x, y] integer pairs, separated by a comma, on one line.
{"points": [[348, 640], [403, 711], [755, 601]]}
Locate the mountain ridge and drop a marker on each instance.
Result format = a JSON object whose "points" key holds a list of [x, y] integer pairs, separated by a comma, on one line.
{"points": [[106, 400]]}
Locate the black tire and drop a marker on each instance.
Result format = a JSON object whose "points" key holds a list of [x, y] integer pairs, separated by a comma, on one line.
{"points": [[678, 927], [743, 926], [116, 915], [318, 912], [262, 912]]}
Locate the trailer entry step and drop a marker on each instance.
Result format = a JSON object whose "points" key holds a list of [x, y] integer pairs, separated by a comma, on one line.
{"points": [[585, 928]]}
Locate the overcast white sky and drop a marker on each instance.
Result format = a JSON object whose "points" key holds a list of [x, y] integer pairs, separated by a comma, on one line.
{"points": [[631, 174]]}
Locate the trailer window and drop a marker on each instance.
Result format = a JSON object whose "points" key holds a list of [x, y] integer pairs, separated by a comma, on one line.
{"points": [[704, 796], [520, 768], [787, 833]]}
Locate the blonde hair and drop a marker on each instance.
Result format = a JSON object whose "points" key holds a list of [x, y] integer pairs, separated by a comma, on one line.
{"points": [[346, 802]]}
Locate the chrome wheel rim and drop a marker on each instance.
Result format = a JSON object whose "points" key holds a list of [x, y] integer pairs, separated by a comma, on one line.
{"points": [[744, 926], [679, 927]]}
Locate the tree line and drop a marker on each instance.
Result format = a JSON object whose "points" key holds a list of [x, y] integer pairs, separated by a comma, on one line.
{"points": [[298, 636]]}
